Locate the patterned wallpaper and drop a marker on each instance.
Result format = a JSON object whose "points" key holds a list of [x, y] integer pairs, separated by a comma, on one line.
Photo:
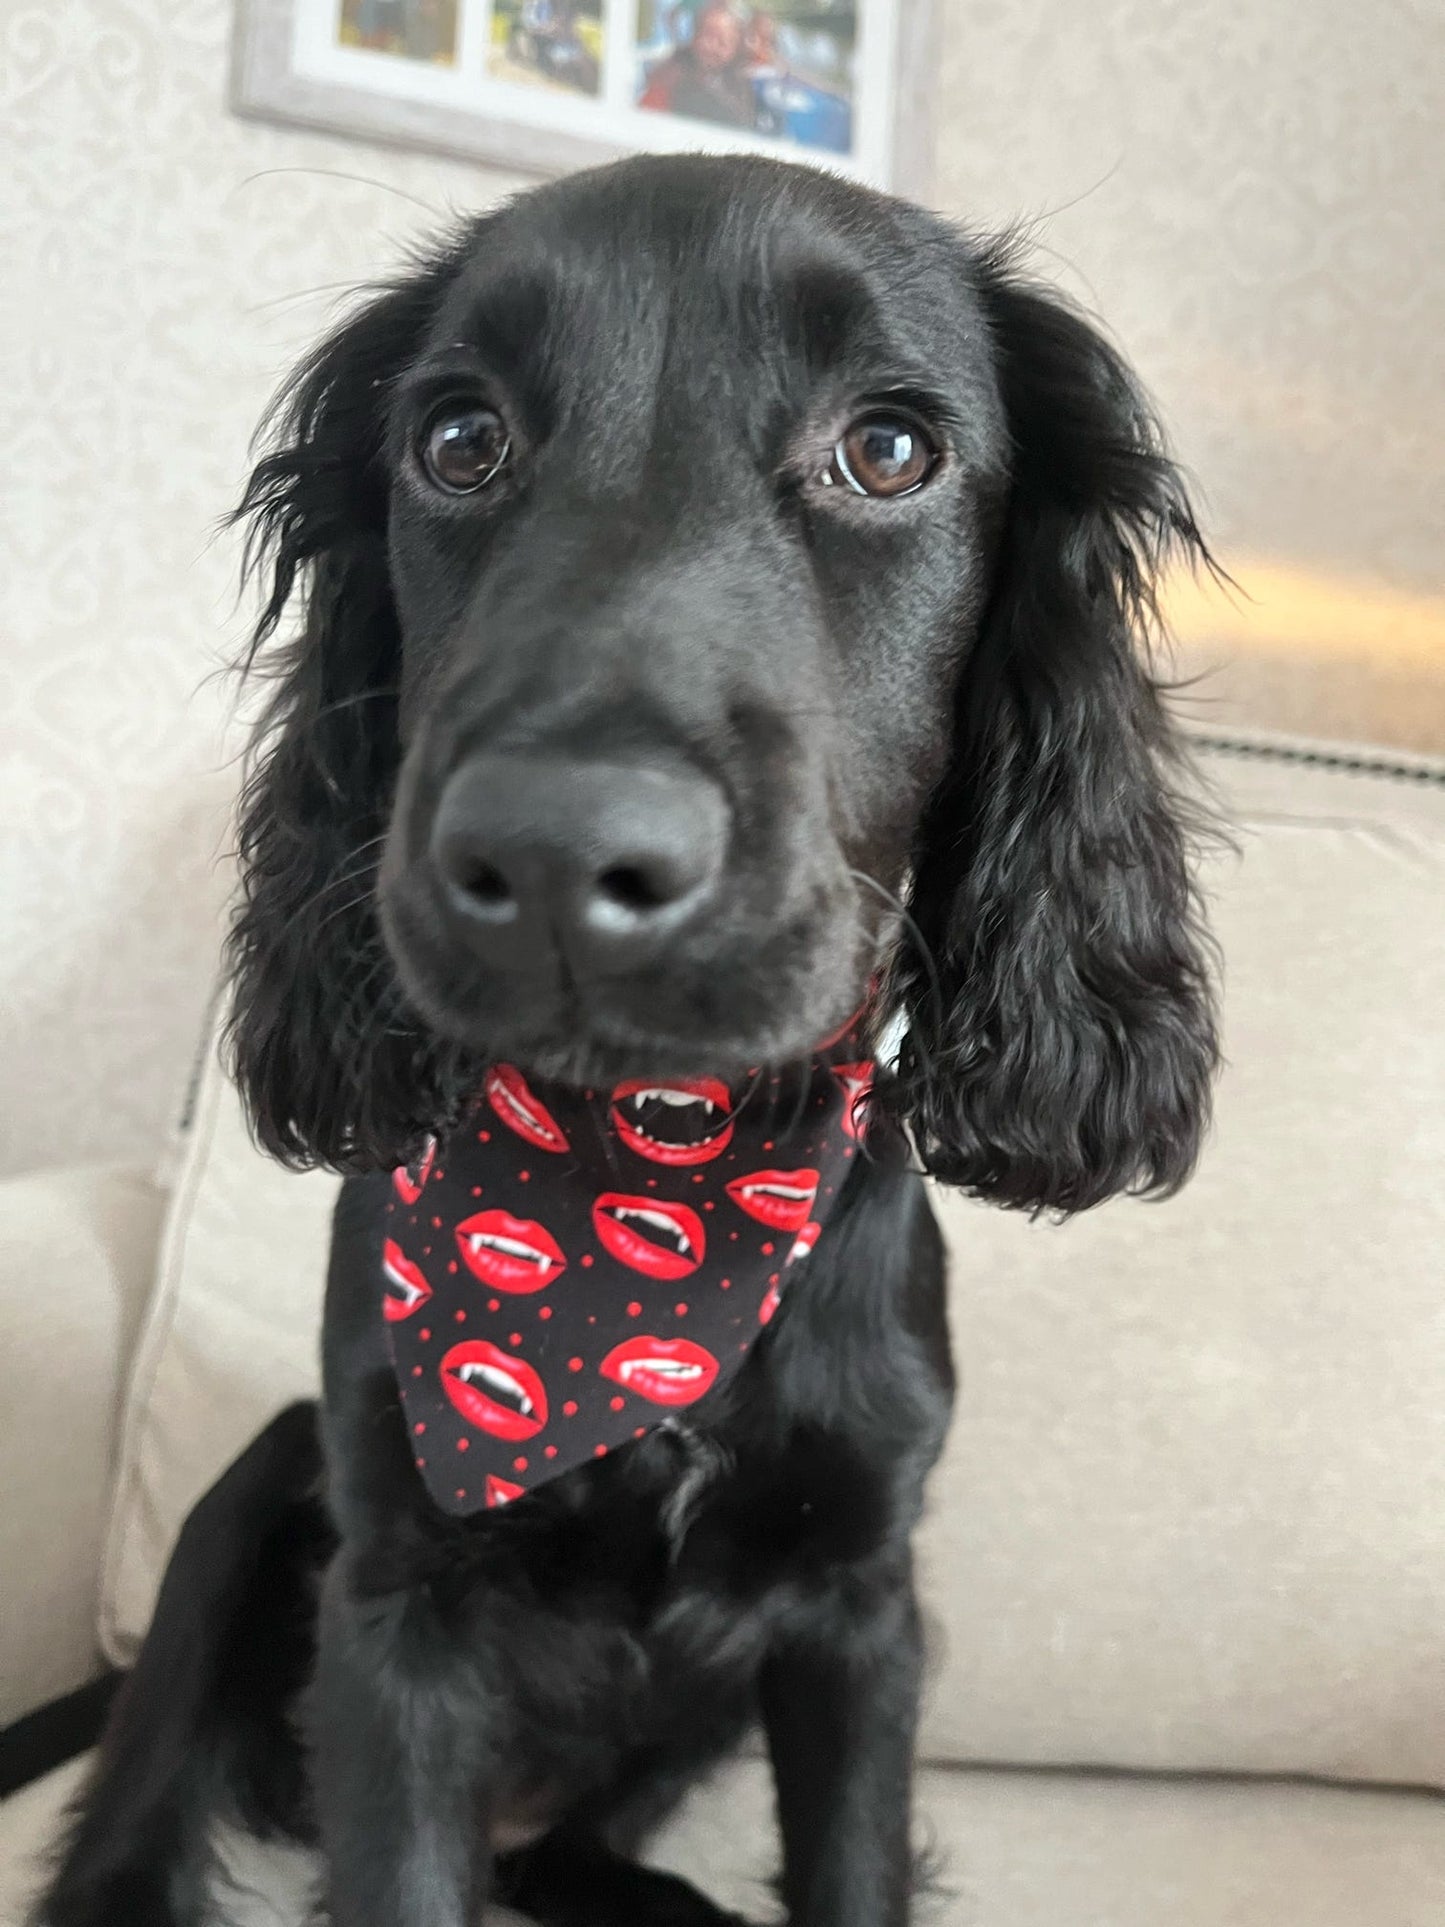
{"points": [[1250, 190], [164, 263], [1253, 193]]}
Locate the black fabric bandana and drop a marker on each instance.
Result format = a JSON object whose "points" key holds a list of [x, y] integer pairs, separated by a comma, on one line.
{"points": [[567, 1268]]}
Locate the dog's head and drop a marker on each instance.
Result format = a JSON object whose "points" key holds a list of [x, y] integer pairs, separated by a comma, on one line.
{"points": [[722, 583]]}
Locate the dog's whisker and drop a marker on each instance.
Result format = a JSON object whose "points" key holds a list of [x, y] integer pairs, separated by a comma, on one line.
{"points": [[358, 696], [363, 870], [301, 294], [360, 1025], [926, 1039], [361, 857], [362, 873], [342, 174], [802, 1083], [343, 909]]}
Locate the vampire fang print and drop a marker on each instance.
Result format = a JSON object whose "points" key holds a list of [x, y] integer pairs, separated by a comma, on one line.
{"points": [[663, 1240], [686, 1122], [509, 1254], [494, 1391], [511, 1097], [566, 1268], [668, 1371], [406, 1288], [783, 1199], [408, 1179], [856, 1081]]}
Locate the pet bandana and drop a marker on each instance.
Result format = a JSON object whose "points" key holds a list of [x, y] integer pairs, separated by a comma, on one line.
{"points": [[565, 1269]]}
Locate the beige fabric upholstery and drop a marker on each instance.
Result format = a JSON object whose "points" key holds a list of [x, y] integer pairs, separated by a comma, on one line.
{"points": [[1016, 1850], [230, 1338], [80, 1250], [1193, 1510]]}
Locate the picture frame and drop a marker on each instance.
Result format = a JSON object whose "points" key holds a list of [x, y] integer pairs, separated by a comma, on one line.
{"points": [[545, 86]]}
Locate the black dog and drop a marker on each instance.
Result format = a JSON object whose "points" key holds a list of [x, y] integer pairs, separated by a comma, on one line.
{"points": [[724, 589]]}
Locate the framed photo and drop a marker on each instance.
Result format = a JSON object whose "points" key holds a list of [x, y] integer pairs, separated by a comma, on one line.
{"points": [[548, 85]]}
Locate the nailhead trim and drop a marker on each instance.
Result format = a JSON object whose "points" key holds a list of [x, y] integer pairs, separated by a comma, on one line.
{"points": [[1355, 765]]}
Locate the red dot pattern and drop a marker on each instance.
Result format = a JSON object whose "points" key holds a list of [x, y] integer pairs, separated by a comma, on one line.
{"points": [[596, 1223]]}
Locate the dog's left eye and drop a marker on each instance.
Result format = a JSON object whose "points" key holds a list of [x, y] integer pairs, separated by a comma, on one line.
{"points": [[463, 447], [883, 454]]}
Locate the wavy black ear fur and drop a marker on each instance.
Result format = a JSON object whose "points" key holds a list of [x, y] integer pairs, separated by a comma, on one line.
{"points": [[332, 1069], [1062, 1040]]}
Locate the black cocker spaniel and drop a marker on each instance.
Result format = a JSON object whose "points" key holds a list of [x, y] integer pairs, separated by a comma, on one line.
{"points": [[724, 595]]}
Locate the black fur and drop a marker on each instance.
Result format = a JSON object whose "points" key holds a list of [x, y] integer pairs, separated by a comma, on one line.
{"points": [[201, 1724], [1064, 1049], [944, 760]]}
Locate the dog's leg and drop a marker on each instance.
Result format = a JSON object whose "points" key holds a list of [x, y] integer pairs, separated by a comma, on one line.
{"points": [[574, 1880], [401, 1760], [840, 1706]]}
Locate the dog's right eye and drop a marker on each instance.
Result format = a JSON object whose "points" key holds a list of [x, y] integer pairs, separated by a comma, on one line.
{"points": [[463, 447], [884, 454]]}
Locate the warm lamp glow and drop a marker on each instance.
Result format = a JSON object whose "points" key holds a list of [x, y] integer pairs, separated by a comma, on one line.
{"points": [[1280, 609]]}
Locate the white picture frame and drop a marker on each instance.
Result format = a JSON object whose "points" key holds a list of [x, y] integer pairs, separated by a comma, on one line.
{"points": [[544, 86]]}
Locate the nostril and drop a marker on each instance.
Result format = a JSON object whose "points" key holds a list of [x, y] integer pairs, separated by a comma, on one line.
{"points": [[629, 887], [485, 883], [476, 884]]}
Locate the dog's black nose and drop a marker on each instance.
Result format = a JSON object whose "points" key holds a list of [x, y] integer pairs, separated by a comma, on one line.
{"points": [[603, 861]]}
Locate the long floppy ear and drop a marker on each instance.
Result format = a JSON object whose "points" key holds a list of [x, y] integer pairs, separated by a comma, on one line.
{"points": [[332, 1068], [1061, 1040]]}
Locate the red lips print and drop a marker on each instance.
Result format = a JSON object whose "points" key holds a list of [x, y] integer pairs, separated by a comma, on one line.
{"points": [[406, 1290], [686, 1121], [509, 1254], [566, 1267], [667, 1371], [521, 1111], [494, 1391], [856, 1081], [663, 1240], [803, 1244], [408, 1180], [825, 1044], [780, 1199]]}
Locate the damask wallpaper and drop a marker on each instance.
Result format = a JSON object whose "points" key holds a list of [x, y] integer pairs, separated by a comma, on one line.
{"points": [[163, 263], [1251, 191]]}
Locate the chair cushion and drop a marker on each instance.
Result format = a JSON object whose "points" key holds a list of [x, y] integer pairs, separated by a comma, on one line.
{"points": [[1192, 1513], [231, 1336], [1018, 1849], [79, 1258]]}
